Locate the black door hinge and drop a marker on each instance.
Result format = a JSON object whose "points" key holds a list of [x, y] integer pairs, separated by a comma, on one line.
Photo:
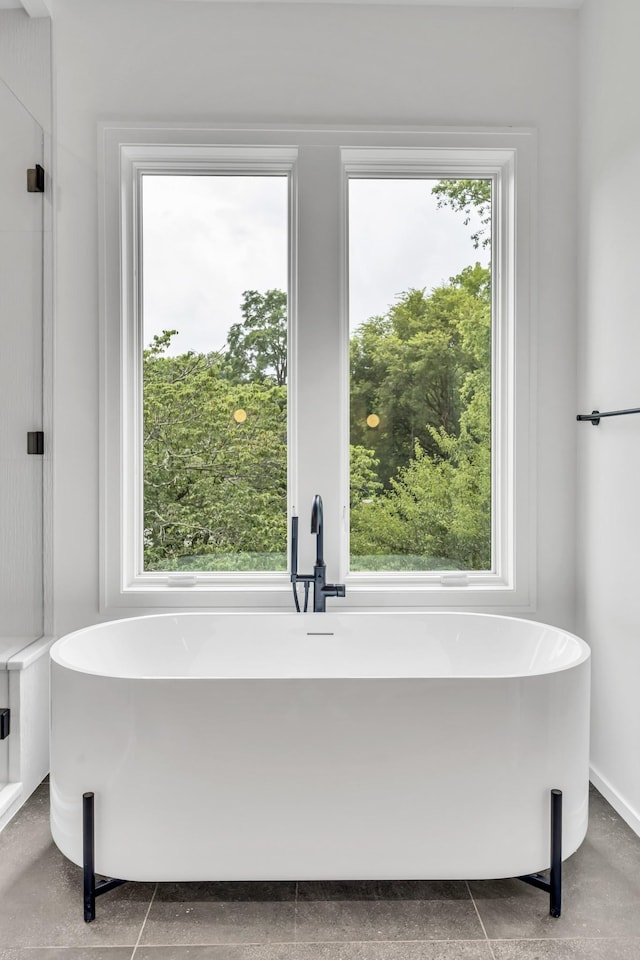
{"points": [[35, 179], [5, 725], [35, 441]]}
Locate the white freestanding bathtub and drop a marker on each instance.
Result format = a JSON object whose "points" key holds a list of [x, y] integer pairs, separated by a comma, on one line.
{"points": [[319, 746]]}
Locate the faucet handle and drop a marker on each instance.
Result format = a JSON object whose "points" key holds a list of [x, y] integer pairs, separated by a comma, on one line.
{"points": [[334, 590], [294, 548]]}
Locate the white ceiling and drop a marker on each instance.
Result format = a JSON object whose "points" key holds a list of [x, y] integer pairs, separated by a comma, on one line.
{"points": [[566, 4], [43, 8], [35, 8]]}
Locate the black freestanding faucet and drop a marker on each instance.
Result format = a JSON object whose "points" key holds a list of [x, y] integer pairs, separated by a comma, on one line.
{"points": [[321, 589]]}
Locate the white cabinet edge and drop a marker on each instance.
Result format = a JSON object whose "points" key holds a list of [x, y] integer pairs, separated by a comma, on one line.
{"points": [[30, 652]]}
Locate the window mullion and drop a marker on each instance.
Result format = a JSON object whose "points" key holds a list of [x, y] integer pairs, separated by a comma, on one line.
{"points": [[320, 390]]}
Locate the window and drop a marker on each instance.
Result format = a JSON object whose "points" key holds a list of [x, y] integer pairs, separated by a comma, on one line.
{"points": [[420, 383], [214, 372], [352, 317]]}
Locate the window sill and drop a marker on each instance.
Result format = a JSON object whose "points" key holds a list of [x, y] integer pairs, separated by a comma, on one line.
{"points": [[364, 592]]}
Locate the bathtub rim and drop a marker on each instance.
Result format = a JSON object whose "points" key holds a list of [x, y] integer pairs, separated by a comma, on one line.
{"points": [[57, 649]]}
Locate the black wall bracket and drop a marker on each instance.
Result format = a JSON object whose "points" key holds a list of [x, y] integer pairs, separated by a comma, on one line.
{"points": [[5, 722]]}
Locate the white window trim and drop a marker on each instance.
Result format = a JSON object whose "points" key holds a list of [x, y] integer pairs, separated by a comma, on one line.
{"points": [[125, 152]]}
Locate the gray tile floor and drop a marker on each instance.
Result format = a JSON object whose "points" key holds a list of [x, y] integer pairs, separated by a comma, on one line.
{"points": [[41, 910]]}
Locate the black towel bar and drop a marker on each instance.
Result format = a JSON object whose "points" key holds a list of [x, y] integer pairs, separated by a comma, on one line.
{"points": [[595, 415]]}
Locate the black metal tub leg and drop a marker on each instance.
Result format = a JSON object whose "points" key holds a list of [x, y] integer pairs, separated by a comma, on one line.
{"points": [[552, 886], [88, 855], [555, 876], [91, 889]]}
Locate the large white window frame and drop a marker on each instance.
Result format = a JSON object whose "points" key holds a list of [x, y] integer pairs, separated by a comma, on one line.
{"points": [[318, 162]]}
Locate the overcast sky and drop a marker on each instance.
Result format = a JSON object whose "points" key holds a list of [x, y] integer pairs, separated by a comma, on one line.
{"points": [[208, 239]]}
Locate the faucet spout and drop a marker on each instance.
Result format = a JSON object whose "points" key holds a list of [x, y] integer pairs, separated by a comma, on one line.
{"points": [[317, 527]]}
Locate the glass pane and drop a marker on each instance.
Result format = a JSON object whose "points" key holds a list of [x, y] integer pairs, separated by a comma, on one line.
{"points": [[215, 263], [420, 331]]}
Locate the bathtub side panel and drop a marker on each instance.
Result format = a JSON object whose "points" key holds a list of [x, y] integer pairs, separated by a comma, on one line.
{"points": [[318, 779]]}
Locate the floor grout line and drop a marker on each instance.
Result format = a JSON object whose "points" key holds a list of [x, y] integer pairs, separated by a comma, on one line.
{"points": [[304, 943], [475, 906], [146, 916], [604, 937]]}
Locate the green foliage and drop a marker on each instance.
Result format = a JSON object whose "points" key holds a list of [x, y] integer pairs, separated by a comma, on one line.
{"points": [[364, 485], [410, 366], [463, 196], [257, 347], [436, 507], [213, 487]]}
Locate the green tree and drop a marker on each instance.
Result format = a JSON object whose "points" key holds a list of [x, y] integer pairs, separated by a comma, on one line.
{"points": [[257, 347], [435, 512], [465, 196], [409, 368], [364, 485], [214, 483]]}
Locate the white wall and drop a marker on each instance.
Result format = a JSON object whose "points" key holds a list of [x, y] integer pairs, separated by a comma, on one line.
{"points": [[25, 62], [309, 64], [609, 338]]}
